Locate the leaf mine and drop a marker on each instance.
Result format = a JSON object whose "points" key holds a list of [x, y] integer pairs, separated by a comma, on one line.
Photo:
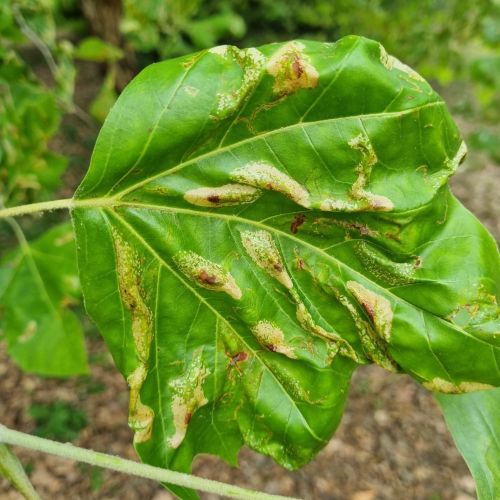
{"points": [[391, 62], [262, 249], [207, 274], [335, 342], [371, 343], [129, 283], [265, 176], [392, 273], [377, 307], [292, 70], [360, 198], [252, 63], [441, 385], [222, 196], [188, 396], [272, 338]]}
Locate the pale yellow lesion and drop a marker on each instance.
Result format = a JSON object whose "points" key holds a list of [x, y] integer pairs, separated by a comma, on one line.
{"points": [[141, 416], [187, 397], [440, 385], [391, 62], [265, 176], [292, 69], [207, 274], [377, 307], [129, 283], [262, 249], [252, 63], [359, 197], [374, 348], [335, 342], [222, 196], [393, 273], [273, 338]]}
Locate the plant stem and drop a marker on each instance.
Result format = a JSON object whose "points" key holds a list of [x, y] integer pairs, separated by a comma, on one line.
{"points": [[119, 464], [66, 203], [35, 207], [11, 468]]}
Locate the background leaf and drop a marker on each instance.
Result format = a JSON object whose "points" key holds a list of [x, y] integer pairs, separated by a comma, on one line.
{"points": [[38, 284], [475, 425], [260, 221]]}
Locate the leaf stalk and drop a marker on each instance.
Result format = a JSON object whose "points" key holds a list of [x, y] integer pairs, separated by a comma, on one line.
{"points": [[66, 450]]}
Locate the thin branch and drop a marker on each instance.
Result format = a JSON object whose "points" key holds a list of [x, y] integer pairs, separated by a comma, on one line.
{"points": [[36, 40], [119, 464], [35, 207]]}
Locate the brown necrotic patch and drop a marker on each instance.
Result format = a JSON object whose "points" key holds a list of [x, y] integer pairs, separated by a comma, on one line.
{"points": [[222, 196], [206, 273], [297, 221], [292, 70]]}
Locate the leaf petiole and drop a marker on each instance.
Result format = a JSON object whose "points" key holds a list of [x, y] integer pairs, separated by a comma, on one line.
{"points": [[66, 450]]}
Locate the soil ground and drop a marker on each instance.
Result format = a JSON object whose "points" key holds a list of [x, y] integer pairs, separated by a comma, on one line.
{"points": [[392, 442]]}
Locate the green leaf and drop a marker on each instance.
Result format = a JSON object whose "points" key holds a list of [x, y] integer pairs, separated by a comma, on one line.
{"points": [[475, 425], [38, 283], [256, 223], [97, 50]]}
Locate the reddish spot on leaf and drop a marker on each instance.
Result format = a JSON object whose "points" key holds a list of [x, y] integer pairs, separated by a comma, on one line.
{"points": [[297, 222], [206, 278], [213, 198]]}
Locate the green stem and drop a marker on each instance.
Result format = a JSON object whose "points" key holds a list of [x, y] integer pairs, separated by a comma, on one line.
{"points": [[44, 206], [11, 468], [119, 464]]}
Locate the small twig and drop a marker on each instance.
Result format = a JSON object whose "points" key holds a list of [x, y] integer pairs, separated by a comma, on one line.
{"points": [[119, 464], [36, 40]]}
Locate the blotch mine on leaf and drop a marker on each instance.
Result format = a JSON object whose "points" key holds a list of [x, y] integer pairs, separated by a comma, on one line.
{"points": [[335, 342], [265, 176], [262, 249], [360, 198], [129, 282], [392, 273], [141, 416], [377, 307], [292, 70], [206, 273], [391, 62], [441, 385], [371, 343], [187, 397], [272, 338], [222, 196], [252, 63]]}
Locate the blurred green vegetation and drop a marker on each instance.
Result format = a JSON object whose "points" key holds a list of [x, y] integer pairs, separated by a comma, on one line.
{"points": [[59, 421]]}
